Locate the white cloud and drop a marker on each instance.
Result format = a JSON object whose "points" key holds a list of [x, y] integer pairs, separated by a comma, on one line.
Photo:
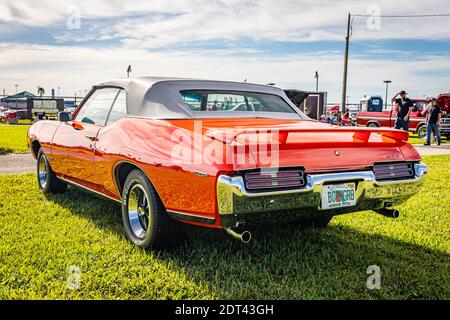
{"points": [[163, 23], [144, 24], [76, 69]]}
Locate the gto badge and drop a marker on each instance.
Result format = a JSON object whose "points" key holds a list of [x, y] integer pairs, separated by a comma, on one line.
{"points": [[337, 153], [393, 156]]}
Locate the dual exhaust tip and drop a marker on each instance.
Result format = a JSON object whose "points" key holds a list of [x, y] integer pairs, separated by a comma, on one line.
{"points": [[390, 213], [245, 236]]}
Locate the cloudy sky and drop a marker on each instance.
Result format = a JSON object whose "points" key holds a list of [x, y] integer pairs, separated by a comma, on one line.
{"points": [[75, 44]]}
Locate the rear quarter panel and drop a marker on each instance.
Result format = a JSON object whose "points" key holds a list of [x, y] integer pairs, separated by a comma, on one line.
{"points": [[152, 146]]}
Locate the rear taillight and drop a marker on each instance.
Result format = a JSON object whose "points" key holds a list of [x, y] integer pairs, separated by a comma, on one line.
{"points": [[268, 179], [393, 171]]}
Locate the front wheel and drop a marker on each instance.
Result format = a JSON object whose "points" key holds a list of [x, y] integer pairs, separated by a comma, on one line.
{"points": [[145, 220], [46, 178], [422, 132], [372, 125]]}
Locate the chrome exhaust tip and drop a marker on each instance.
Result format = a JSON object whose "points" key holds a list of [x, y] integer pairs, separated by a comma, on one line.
{"points": [[390, 213], [245, 236]]}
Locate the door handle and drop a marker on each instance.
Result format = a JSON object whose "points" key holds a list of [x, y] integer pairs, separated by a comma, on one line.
{"points": [[92, 138]]}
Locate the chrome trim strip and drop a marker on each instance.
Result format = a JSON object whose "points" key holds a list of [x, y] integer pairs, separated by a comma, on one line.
{"points": [[200, 173], [233, 198], [190, 217], [387, 119], [89, 189], [372, 118]]}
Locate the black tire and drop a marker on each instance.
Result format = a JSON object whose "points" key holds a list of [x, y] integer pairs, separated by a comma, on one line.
{"points": [[320, 222], [373, 125], [422, 132], [152, 227], [46, 178]]}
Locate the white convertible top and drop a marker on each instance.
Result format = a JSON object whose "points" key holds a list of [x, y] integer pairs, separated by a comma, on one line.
{"points": [[160, 98]]}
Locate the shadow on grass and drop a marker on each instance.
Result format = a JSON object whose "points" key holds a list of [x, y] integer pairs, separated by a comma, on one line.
{"points": [[4, 151], [289, 262]]}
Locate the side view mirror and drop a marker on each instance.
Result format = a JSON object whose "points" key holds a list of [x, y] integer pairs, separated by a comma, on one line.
{"points": [[64, 116]]}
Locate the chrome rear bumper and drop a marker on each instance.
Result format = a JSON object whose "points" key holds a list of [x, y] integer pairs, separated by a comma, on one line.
{"points": [[235, 203]]}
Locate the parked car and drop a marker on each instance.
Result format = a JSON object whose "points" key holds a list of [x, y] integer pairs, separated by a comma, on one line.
{"points": [[417, 121], [12, 116], [151, 145], [443, 100], [387, 118]]}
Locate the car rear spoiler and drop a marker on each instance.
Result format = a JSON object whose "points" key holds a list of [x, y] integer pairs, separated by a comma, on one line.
{"points": [[359, 134]]}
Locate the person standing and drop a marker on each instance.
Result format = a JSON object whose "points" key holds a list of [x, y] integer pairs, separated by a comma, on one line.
{"points": [[433, 121], [404, 108], [346, 119]]}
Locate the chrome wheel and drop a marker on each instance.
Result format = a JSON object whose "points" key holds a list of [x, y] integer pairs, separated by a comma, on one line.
{"points": [[139, 211], [422, 132], [42, 172]]}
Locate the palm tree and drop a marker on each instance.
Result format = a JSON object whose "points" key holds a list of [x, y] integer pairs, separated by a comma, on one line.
{"points": [[41, 91]]}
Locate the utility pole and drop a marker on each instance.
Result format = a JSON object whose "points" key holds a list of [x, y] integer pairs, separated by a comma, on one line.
{"points": [[317, 80], [387, 86], [16, 85], [344, 82], [59, 88]]}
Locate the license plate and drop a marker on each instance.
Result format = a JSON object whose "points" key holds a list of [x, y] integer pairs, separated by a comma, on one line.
{"points": [[338, 195]]}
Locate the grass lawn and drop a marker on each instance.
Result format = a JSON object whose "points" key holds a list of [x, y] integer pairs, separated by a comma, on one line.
{"points": [[40, 238], [13, 139], [414, 139]]}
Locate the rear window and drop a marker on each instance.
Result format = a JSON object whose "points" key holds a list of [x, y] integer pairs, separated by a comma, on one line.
{"points": [[234, 101]]}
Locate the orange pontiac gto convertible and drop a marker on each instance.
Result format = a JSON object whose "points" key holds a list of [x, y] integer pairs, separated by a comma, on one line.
{"points": [[219, 155]]}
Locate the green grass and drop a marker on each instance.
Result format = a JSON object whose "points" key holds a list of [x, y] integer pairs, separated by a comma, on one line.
{"points": [[25, 122], [13, 139], [414, 139], [41, 237]]}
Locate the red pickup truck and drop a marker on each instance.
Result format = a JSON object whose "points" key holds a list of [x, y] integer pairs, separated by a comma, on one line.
{"points": [[417, 121]]}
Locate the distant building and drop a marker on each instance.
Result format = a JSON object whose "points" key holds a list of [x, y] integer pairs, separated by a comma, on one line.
{"points": [[17, 101]]}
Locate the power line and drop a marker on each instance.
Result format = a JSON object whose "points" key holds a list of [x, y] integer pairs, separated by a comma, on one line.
{"points": [[351, 17], [434, 15], [404, 16]]}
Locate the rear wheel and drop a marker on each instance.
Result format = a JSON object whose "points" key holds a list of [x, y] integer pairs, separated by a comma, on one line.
{"points": [[144, 217], [46, 178], [372, 125]]}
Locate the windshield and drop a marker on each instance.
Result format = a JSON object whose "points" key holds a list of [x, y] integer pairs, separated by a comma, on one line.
{"points": [[420, 105], [234, 101]]}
